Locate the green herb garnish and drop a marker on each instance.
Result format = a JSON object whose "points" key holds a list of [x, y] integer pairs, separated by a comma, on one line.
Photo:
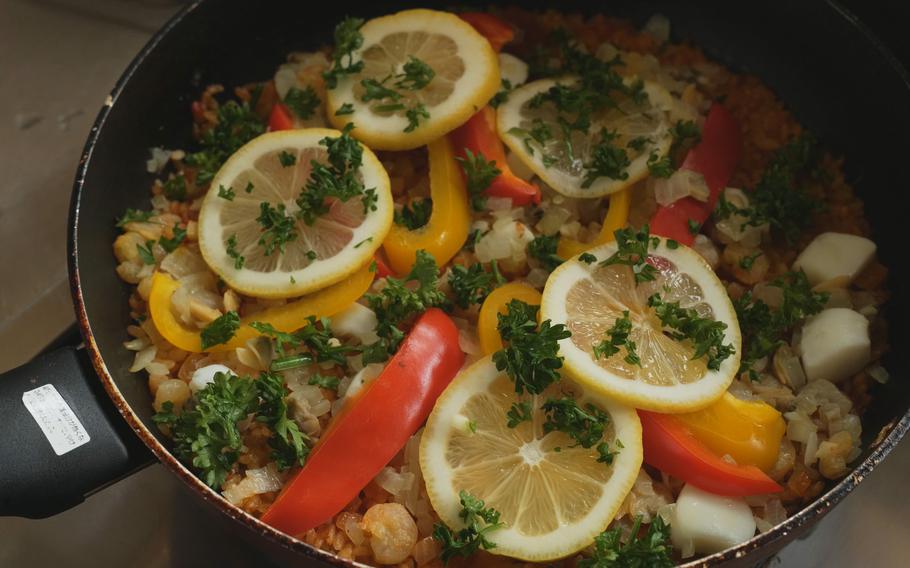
{"points": [[618, 336], [175, 188], [348, 39], [302, 102], [278, 227], [237, 124], [171, 244], [220, 330], [653, 550], [587, 258], [632, 251], [479, 522], [134, 216], [472, 284], [479, 174], [226, 193], [414, 215], [231, 250], [531, 356], [543, 248], [287, 159], [145, 252], [684, 324], [519, 412]]}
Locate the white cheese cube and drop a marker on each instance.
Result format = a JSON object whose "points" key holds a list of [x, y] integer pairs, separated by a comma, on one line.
{"points": [[512, 69], [833, 255], [835, 344], [708, 523], [205, 375]]}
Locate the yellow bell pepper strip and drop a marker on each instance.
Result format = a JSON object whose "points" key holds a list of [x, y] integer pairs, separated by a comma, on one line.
{"points": [[447, 230], [288, 318], [616, 218], [749, 431], [495, 304]]}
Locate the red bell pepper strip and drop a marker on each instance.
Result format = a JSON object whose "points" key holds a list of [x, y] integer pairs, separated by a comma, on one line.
{"points": [[714, 157], [479, 136], [280, 119], [671, 448], [382, 267], [372, 427], [497, 32]]}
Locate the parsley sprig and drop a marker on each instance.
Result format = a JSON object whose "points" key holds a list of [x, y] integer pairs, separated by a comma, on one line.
{"points": [[764, 328], [336, 179], [472, 284], [543, 248], [479, 521], [651, 551], [398, 302], [316, 336], [302, 102], [531, 356], [237, 124], [206, 435], [415, 214], [684, 324], [348, 39], [632, 251], [618, 336], [220, 330], [479, 174]]}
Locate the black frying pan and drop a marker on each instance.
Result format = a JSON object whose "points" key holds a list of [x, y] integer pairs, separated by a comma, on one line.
{"points": [[838, 79]]}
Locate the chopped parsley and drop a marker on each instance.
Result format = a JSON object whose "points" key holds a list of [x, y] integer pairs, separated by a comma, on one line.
{"points": [[358, 245], [763, 328], [302, 102], [414, 115], [348, 39], [338, 179], [346, 108], [632, 251], [316, 336], [746, 262], [587, 258], [237, 124], [502, 95], [397, 302], [479, 174], [778, 199], [175, 187], [415, 215], [290, 446], [540, 133], [226, 193], [618, 336], [639, 142], [519, 412], [684, 132], [607, 160], [584, 425], [206, 434], [415, 75], [278, 227], [134, 216], [653, 550], [220, 330], [231, 250], [145, 252], [324, 381], [249, 187], [672, 244], [479, 522], [693, 226], [287, 159], [531, 356], [543, 248], [472, 284], [171, 244], [660, 167], [684, 324]]}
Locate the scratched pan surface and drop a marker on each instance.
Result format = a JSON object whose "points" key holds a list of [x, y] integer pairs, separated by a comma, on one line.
{"points": [[801, 50]]}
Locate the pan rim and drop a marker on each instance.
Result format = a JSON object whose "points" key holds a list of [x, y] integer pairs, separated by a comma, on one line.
{"points": [[810, 513]]}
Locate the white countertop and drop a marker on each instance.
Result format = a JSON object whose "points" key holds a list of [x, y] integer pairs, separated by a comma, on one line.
{"points": [[59, 59]]}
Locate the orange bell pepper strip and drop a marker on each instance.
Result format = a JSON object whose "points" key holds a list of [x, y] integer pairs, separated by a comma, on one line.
{"points": [[447, 230], [670, 447], [372, 427], [615, 219], [478, 135], [288, 318], [487, 320], [497, 32], [748, 431], [714, 157]]}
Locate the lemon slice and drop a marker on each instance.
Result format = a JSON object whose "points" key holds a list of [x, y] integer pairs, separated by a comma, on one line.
{"points": [[563, 166], [588, 298], [466, 76], [553, 498], [273, 169]]}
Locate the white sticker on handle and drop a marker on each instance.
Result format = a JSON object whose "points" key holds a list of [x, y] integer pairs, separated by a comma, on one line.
{"points": [[55, 418]]}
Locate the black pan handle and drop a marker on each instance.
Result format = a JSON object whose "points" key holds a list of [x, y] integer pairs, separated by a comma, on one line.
{"points": [[61, 438]]}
